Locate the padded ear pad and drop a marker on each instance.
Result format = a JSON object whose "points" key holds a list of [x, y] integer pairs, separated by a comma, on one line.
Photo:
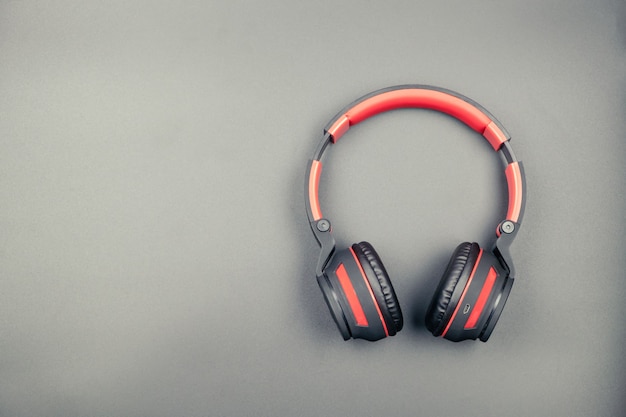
{"points": [[381, 286], [457, 273]]}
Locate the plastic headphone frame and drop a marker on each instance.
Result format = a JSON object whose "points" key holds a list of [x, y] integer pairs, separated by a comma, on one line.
{"points": [[424, 97]]}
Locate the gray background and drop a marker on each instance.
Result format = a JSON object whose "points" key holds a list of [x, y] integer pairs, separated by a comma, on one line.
{"points": [[155, 255]]}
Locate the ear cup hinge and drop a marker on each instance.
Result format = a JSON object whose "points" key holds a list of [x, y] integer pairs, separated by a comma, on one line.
{"points": [[322, 230], [506, 231]]}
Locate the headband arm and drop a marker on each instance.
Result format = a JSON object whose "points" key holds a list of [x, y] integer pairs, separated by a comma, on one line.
{"points": [[516, 184], [508, 228], [320, 227]]}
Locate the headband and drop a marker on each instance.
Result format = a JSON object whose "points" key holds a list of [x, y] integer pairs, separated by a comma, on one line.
{"points": [[424, 97]]}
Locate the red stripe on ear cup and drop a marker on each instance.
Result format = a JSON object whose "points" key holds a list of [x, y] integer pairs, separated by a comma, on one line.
{"points": [[353, 299], [482, 299], [369, 287], [460, 302]]}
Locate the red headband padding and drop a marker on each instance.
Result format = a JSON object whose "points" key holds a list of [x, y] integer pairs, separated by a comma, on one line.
{"points": [[515, 185], [420, 98], [314, 185]]}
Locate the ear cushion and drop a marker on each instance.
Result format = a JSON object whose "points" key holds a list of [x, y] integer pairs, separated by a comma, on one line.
{"points": [[381, 286], [458, 270]]}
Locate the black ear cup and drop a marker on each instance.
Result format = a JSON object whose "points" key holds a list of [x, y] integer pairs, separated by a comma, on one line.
{"points": [[381, 286], [445, 299], [470, 296], [359, 294]]}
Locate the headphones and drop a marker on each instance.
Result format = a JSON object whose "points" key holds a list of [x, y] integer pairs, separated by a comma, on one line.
{"points": [[476, 283]]}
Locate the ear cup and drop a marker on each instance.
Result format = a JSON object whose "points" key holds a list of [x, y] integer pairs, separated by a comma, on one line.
{"points": [[359, 294], [456, 274], [381, 286]]}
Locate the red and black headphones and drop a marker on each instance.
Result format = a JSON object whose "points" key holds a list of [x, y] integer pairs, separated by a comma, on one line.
{"points": [[476, 284]]}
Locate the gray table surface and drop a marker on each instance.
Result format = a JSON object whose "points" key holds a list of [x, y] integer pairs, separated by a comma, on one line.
{"points": [[155, 255]]}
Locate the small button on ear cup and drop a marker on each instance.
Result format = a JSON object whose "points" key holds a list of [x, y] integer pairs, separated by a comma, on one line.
{"points": [[445, 299], [381, 286]]}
